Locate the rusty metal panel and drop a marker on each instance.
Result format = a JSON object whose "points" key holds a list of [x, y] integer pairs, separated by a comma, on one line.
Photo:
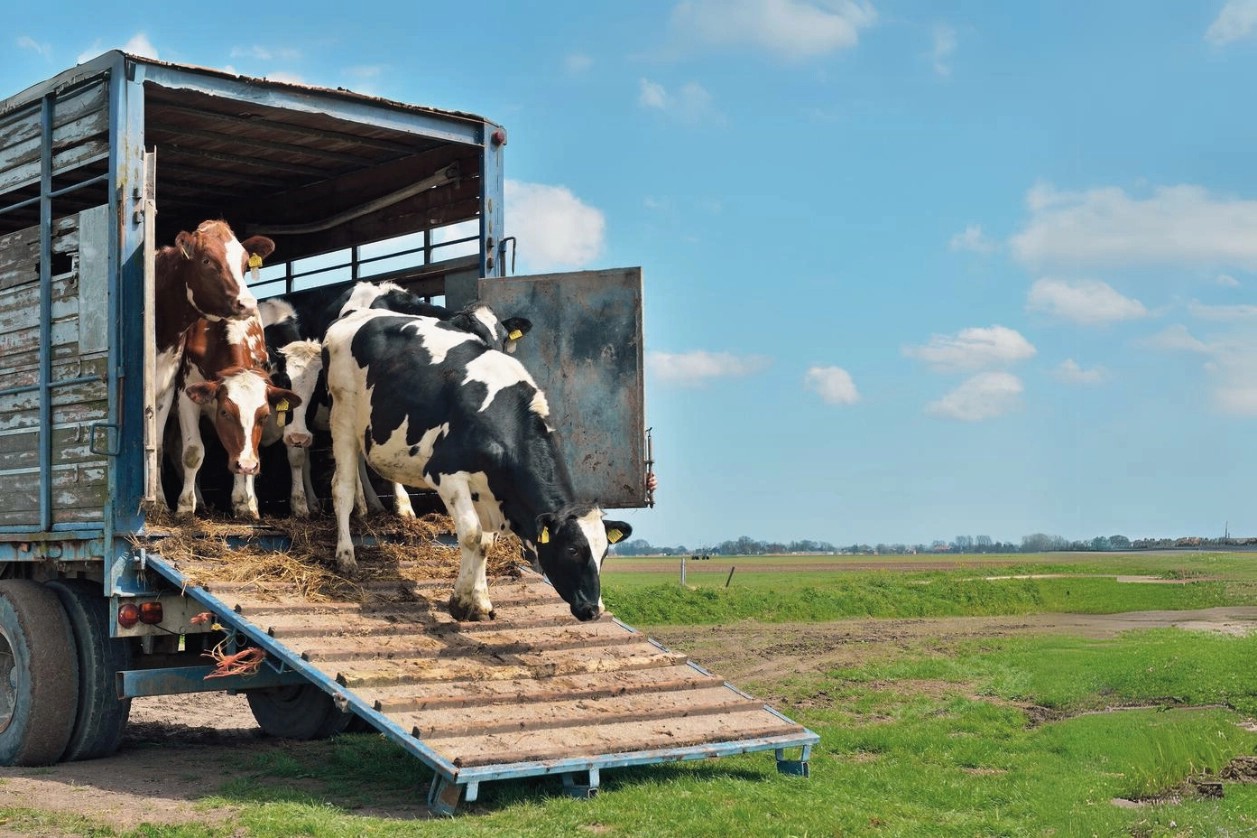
{"points": [[585, 351]]}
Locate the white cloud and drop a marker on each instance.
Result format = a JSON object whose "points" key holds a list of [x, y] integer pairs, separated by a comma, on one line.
{"points": [[690, 103], [262, 53], [944, 47], [973, 349], [1234, 312], [1233, 376], [1070, 372], [554, 229], [832, 384], [791, 29], [138, 45], [986, 395], [1175, 225], [1175, 338], [972, 239], [1087, 302], [1227, 281], [1236, 21], [690, 369], [27, 42], [577, 63]]}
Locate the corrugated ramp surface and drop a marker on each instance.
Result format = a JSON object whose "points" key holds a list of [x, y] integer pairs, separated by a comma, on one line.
{"points": [[532, 692]]}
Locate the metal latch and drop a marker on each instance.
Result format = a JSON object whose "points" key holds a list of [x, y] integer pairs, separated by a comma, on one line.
{"points": [[111, 448]]}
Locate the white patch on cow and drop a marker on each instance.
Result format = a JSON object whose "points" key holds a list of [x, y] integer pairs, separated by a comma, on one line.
{"points": [[486, 316], [236, 259], [540, 406], [238, 332], [497, 371], [596, 534], [365, 293], [437, 341], [276, 310], [247, 390], [393, 458]]}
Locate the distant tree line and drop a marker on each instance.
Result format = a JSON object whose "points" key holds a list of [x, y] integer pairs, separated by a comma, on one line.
{"points": [[1034, 543]]}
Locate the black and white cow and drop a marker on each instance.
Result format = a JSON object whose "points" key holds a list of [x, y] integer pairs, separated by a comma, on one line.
{"points": [[429, 404], [295, 363]]}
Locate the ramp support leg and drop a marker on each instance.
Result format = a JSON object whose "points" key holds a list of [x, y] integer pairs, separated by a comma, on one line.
{"points": [[576, 789], [443, 796], [797, 767]]}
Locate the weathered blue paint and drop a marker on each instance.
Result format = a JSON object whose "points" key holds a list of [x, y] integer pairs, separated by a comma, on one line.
{"points": [[45, 312]]}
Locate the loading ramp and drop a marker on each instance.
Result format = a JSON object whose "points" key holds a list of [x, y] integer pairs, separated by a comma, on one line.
{"points": [[533, 692]]}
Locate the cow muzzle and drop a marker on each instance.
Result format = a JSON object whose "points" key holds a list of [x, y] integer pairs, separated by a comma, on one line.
{"points": [[246, 467], [586, 611], [298, 439]]}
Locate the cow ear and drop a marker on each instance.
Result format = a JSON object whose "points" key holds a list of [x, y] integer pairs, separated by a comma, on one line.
{"points": [[617, 531], [186, 242], [516, 327], [546, 524], [276, 395], [202, 393], [259, 246]]}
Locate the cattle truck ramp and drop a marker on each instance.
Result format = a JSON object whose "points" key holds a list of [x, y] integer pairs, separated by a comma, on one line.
{"points": [[532, 692]]}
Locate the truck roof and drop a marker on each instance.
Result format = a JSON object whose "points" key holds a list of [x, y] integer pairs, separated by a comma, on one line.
{"points": [[106, 59]]}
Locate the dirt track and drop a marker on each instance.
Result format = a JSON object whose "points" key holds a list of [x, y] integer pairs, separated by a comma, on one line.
{"points": [[179, 749]]}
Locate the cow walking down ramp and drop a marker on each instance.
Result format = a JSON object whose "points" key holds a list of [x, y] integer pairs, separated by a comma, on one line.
{"points": [[534, 692], [429, 404]]}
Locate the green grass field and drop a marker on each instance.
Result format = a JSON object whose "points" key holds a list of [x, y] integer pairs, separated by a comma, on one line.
{"points": [[1033, 734]]}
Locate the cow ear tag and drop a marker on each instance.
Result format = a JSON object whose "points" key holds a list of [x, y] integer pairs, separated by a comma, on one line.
{"points": [[281, 411], [614, 535], [255, 262], [515, 334], [544, 538]]}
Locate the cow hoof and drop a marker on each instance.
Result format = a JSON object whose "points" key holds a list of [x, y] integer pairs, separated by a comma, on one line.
{"points": [[470, 613], [346, 564]]}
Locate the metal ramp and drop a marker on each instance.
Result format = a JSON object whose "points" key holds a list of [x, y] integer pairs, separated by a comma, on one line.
{"points": [[532, 692]]}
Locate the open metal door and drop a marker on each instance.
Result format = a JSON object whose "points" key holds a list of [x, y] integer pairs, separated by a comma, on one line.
{"points": [[585, 352]]}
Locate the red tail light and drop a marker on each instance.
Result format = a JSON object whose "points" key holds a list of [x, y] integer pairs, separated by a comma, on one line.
{"points": [[150, 613], [128, 615]]}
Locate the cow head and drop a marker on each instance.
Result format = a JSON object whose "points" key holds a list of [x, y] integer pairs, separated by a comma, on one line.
{"points": [[571, 545], [241, 400], [484, 323], [215, 269]]}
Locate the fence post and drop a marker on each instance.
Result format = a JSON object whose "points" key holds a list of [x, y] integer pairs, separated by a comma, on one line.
{"points": [[683, 571], [730, 579]]}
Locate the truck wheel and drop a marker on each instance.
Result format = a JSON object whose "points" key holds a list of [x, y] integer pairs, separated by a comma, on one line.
{"points": [[102, 716], [39, 674], [297, 712]]}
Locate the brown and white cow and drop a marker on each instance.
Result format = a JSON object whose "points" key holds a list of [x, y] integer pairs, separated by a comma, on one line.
{"points": [[200, 276], [225, 378]]}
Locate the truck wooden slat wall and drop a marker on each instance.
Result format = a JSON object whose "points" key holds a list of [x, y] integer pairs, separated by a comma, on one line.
{"points": [[79, 477]]}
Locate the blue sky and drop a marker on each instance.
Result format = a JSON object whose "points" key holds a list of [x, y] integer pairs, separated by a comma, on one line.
{"points": [[913, 269]]}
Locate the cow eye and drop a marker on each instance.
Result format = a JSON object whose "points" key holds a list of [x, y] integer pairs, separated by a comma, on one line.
{"points": [[205, 260]]}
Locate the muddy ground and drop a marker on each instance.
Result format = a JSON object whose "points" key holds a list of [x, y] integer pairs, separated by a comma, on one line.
{"points": [[179, 750]]}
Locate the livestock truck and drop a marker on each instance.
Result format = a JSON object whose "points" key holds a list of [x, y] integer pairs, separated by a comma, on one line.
{"points": [[105, 162]]}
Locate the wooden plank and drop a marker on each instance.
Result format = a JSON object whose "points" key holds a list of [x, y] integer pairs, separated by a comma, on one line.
{"points": [[69, 446], [65, 365], [315, 625], [352, 647], [523, 666], [91, 149], [415, 697], [23, 124], [573, 713], [19, 250], [76, 413], [619, 738]]}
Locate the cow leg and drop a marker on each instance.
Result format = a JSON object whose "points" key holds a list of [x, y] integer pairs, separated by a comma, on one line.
{"points": [[193, 454], [470, 600], [344, 480], [297, 495], [402, 503], [312, 498], [244, 501], [366, 499]]}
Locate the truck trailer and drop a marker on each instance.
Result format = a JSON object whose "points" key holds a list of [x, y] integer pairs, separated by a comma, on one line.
{"points": [[102, 164]]}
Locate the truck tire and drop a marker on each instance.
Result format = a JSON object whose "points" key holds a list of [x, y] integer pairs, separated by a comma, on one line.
{"points": [[297, 712], [102, 716], [39, 674]]}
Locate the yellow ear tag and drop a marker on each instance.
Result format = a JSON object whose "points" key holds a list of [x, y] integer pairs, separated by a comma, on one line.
{"points": [[544, 538], [281, 413], [515, 334], [614, 536], [255, 262]]}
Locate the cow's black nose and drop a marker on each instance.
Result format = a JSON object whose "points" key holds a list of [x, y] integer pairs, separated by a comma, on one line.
{"points": [[585, 611]]}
